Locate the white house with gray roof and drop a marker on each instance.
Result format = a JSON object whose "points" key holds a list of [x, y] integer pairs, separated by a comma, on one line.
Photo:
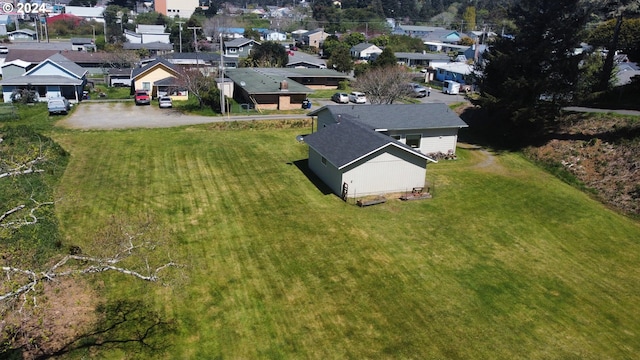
{"points": [[354, 160], [428, 128], [364, 51], [55, 76]]}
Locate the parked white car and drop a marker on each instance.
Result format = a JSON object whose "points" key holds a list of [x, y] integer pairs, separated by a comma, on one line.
{"points": [[165, 102], [357, 97]]}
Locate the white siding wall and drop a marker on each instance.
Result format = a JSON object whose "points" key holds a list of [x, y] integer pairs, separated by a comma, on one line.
{"points": [[328, 173], [390, 170], [436, 140], [149, 38]]}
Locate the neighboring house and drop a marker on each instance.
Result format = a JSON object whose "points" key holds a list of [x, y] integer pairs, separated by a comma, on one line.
{"points": [[475, 52], [146, 77], [55, 76], [265, 90], [423, 59], [240, 47], [5, 20], [154, 48], [86, 13], [15, 68], [365, 51], [354, 160], [172, 8], [315, 38], [481, 37], [443, 35], [457, 71], [275, 36], [416, 31], [82, 44], [305, 64], [625, 71], [146, 34], [428, 128], [22, 35], [171, 87], [119, 77], [231, 32], [438, 46], [207, 62], [75, 20]]}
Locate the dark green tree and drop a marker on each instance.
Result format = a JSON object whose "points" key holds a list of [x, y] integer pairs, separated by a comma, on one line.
{"points": [[250, 33], [386, 58], [329, 44], [340, 59], [619, 9], [268, 54], [628, 39], [527, 78], [354, 38]]}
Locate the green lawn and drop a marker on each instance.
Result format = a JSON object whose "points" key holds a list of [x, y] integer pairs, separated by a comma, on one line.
{"points": [[504, 262]]}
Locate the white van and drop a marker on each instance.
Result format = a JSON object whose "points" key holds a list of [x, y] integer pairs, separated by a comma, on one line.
{"points": [[450, 87]]}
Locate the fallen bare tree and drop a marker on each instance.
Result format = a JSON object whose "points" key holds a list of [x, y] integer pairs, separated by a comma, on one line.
{"points": [[42, 290]]}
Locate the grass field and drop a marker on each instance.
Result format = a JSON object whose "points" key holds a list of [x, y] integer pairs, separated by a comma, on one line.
{"points": [[504, 262]]}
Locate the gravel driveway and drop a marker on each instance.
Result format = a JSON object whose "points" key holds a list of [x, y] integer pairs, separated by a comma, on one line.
{"points": [[108, 115], [124, 115]]}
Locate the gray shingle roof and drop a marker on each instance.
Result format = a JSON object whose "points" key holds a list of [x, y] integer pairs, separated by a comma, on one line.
{"points": [[137, 71], [41, 80], [348, 141], [68, 65], [421, 56], [238, 42], [398, 116], [262, 81]]}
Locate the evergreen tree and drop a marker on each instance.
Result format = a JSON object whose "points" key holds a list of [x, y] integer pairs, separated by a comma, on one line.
{"points": [[527, 78], [340, 59], [269, 54], [386, 58]]}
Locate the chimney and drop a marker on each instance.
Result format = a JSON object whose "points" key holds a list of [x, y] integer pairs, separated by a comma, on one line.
{"points": [[284, 85]]}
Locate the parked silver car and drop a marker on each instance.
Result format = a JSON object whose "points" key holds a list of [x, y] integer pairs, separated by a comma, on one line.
{"points": [[340, 98], [165, 102]]}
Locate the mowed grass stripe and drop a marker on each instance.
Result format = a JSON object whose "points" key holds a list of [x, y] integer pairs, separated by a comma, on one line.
{"points": [[505, 262]]}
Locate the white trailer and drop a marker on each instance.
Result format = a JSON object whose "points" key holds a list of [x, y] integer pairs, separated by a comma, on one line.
{"points": [[450, 87]]}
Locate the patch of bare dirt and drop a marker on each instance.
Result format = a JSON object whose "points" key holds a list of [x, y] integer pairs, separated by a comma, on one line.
{"points": [[66, 311], [603, 152]]}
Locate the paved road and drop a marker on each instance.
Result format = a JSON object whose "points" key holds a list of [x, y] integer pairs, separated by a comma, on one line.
{"points": [[614, 111]]}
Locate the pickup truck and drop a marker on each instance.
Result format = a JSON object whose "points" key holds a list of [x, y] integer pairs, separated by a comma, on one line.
{"points": [[142, 97]]}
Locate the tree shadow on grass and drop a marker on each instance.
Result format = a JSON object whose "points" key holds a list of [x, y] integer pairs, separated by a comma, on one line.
{"points": [[303, 166], [127, 326]]}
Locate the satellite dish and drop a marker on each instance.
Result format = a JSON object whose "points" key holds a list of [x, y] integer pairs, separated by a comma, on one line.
{"points": [[242, 83]]}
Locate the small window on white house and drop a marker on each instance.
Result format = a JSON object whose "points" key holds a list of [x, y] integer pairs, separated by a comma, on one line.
{"points": [[146, 86], [324, 161], [414, 141]]}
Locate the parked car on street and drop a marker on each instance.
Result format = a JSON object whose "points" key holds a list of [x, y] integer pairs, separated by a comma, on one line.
{"points": [[142, 97], [340, 98], [357, 97], [58, 105], [418, 90], [165, 102]]}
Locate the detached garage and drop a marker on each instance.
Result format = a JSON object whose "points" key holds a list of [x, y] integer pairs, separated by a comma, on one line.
{"points": [[355, 161]]}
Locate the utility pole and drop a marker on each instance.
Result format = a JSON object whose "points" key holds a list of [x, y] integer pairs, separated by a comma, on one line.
{"points": [[222, 99], [195, 39], [180, 33]]}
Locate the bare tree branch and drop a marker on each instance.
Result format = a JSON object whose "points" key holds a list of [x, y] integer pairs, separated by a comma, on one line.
{"points": [[19, 223], [384, 85], [23, 169], [97, 265]]}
